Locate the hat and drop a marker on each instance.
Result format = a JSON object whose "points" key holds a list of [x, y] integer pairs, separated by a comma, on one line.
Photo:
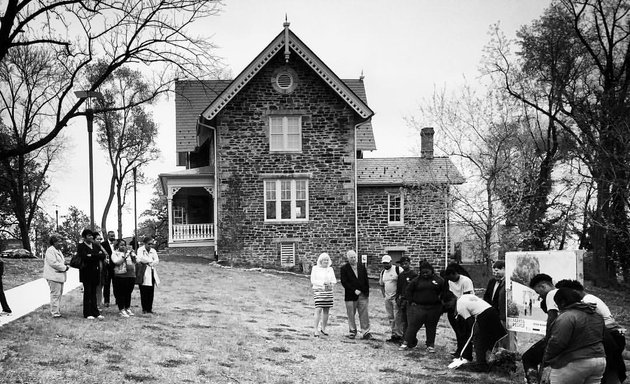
{"points": [[386, 259], [403, 259]]}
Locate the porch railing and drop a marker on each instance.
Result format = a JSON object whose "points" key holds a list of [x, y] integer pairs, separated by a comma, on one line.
{"points": [[193, 232]]}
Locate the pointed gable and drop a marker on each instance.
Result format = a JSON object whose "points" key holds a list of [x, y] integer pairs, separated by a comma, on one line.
{"points": [[296, 46]]}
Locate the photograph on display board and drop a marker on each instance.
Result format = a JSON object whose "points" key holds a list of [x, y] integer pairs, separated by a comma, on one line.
{"points": [[523, 303]]}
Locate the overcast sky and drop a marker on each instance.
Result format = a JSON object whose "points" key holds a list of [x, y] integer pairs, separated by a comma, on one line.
{"points": [[405, 48]]}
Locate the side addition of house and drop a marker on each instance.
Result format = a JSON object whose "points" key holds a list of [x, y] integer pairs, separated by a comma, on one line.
{"points": [[275, 173]]}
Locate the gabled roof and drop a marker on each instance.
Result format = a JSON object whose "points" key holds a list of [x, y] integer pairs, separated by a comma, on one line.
{"points": [[296, 46], [406, 171], [193, 96]]}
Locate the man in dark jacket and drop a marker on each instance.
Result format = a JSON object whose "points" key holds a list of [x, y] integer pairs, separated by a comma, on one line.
{"points": [[495, 292], [108, 246], [357, 291]]}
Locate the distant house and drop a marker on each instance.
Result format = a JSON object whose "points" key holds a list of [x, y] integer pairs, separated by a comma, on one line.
{"points": [[275, 172]]}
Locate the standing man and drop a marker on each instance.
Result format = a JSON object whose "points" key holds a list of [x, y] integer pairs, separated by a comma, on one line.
{"points": [[404, 278], [389, 282], [108, 246], [495, 291], [357, 291]]}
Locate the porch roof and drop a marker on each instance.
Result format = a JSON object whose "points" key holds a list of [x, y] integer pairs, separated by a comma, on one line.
{"points": [[192, 173]]}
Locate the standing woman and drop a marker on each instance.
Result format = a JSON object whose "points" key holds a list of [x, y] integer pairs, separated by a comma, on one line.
{"points": [[104, 257], [323, 280], [124, 270], [90, 273], [424, 293], [147, 260], [55, 273]]}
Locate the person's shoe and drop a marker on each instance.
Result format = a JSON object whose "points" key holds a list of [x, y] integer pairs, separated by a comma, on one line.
{"points": [[403, 347], [56, 315], [367, 336], [90, 317], [351, 336], [323, 333], [394, 339], [123, 313], [431, 349], [106, 305], [129, 312], [101, 317], [5, 313]]}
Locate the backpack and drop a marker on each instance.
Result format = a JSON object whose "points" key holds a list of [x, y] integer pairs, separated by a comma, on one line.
{"points": [[397, 272]]}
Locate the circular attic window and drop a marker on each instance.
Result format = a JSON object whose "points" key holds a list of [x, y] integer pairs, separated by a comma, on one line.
{"points": [[284, 80]]}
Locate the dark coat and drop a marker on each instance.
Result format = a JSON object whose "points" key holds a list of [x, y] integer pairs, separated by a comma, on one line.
{"points": [[109, 265], [351, 282], [92, 259], [498, 300]]}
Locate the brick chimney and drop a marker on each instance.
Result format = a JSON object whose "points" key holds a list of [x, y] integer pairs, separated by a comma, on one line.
{"points": [[426, 143]]}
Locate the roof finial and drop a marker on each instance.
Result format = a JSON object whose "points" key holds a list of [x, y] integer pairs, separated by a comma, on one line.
{"points": [[361, 77], [286, 38]]}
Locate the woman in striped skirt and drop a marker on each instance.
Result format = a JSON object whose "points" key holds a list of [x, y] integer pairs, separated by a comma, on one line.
{"points": [[323, 280]]}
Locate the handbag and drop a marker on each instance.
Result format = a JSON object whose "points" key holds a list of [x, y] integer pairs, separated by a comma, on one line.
{"points": [[76, 262]]}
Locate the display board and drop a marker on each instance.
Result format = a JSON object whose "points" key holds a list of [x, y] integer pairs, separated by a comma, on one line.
{"points": [[523, 303]]}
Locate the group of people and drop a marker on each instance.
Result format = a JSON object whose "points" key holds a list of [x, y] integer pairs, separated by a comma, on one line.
{"points": [[414, 300], [104, 264], [583, 343]]}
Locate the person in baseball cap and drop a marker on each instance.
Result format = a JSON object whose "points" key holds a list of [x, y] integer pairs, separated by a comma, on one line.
{"points": [[389, 283]]}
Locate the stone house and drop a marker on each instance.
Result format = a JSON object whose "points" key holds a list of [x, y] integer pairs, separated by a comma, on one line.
{"points": [[275, 172]]}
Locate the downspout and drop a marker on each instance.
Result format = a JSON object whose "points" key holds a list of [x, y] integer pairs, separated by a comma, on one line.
{"points": [[216, 185], [356, 193], [446, 217]]}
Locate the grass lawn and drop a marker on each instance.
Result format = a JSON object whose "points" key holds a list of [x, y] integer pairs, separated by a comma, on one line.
{"points": [[219, 325]]}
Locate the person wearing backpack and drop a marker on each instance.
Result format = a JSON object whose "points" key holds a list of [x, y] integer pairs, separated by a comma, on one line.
{"points": [[389, 281]]}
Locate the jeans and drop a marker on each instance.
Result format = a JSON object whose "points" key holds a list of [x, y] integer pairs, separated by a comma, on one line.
{"points": [[394, 316], [419, 315], [123, 287], [108, 282], [89, 300], [462, 330], [532, 358], [583, 371], [56, 290], [361, 306]]}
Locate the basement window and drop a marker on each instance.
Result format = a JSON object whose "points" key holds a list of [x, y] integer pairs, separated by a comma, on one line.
{"points": [[287, 254]]}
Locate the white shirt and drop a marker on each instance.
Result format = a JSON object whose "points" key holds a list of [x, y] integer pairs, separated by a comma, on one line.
{"points": [[551, 304], [601, 308], [321, 276], [464, 284], [470, 305], [389, 280]]}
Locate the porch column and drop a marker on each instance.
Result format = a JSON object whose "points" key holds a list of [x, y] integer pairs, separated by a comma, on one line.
{"points": [[171, 192]]}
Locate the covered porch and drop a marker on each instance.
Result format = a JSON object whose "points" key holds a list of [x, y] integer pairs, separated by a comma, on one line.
{"points": [[191, 207]]}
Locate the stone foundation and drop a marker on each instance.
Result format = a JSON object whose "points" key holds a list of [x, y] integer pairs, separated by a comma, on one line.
{"points": [[201, 251]]}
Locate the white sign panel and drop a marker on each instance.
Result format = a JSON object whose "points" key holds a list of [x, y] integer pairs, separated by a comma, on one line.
{"points": [[523, 304]]}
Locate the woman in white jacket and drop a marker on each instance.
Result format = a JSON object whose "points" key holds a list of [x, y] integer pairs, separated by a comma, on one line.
{"points": [[55, 273], [323, 280], [147, 256]]}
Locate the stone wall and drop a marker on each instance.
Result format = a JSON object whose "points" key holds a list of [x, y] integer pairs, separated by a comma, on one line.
{"points": [[326, 157], [199, 251], [422, 235]]}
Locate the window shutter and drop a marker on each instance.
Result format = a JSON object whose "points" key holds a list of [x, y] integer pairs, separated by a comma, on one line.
{"points": [[287, 254]]}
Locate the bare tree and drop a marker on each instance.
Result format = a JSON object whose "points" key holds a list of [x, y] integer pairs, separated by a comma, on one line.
{"points": [[153, 35], [579, 50], [25, 89], [126, 134]]}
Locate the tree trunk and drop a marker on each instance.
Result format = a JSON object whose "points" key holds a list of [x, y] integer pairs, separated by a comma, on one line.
{"points": [[108, 205], [119, 207]]}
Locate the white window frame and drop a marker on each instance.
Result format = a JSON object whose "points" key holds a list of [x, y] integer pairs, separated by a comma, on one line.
{"points": [[179, 212], [277, 191], [285, 133], [390, 208]]}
